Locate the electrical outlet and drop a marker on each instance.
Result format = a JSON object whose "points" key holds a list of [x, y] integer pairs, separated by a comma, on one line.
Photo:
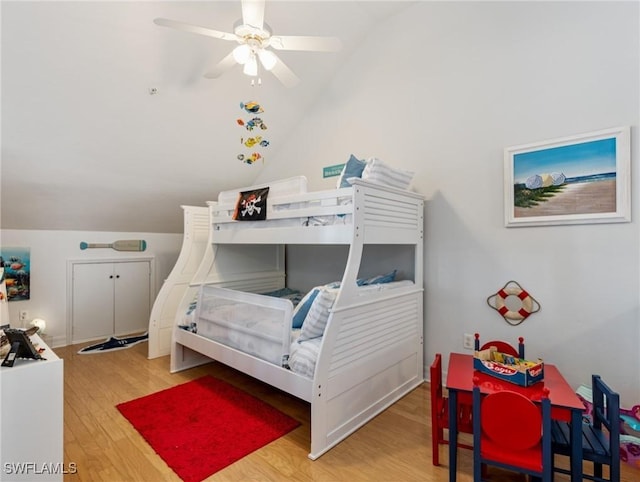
{"points": [[24, 315], [468, 341]]}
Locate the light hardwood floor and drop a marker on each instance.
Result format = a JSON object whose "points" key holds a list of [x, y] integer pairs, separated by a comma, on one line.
{"points": [[395, 446]]}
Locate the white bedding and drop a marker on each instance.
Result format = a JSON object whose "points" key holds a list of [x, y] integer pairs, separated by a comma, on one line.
{"points": [[234, 321]]}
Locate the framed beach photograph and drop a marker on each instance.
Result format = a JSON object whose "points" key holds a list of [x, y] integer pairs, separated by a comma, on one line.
{"points": [[581, 179]]}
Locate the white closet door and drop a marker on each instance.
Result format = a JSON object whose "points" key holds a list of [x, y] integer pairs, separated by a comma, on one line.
{"points": [[132, 297], [92, 301]]}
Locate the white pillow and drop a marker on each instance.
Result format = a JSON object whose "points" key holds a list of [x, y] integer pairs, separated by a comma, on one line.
{"points": [[316, 320], [379, 172]]}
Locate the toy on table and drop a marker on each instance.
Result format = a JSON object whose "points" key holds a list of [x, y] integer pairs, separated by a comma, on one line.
{"points": [[508, 367]]}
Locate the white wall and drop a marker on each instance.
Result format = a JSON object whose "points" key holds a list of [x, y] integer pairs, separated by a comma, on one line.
{"points": [[50, 252], [442, 89]]}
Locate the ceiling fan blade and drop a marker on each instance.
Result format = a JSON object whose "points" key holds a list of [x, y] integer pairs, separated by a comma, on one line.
{"points": [[253, 13], [222, 66], [187, 27], [284, 74], [316, 44]]}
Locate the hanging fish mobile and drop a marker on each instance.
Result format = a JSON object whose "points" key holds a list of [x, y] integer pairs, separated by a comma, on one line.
{"points": [[252, 124], [252, 107], [252, 141]]}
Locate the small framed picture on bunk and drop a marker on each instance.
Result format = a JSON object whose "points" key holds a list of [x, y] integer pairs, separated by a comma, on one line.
{"points": [[581, 179]]}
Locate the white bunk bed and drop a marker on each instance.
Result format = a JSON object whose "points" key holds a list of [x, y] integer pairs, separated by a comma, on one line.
{"points": [[176, 287], [371, 352]]}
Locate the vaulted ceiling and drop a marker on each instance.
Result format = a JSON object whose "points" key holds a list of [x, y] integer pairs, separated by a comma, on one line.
{"points": [[109, 125]]}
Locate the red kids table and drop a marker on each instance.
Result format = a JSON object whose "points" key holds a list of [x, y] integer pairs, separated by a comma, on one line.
{"points": [[565, 404]]}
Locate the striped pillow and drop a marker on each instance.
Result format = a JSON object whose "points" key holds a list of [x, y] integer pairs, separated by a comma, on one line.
{"points": [[381, 173], [316, 320], [303, 357]]}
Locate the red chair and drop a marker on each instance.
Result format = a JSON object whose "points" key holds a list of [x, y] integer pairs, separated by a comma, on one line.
{"points": [[502, 346], [511, 432], [440, 412]]}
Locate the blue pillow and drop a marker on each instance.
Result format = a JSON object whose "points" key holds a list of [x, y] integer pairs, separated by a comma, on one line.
{"points": [[376, 280], [353, 168], [302, 309], [300, 312]]}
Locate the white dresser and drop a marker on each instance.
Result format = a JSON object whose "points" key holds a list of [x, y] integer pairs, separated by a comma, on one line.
{"points": [[31, 419]]}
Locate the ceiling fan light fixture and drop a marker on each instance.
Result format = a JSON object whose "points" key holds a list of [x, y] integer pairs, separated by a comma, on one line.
{"points": [[252, 37], [267, 58], [251, 67], [242, 54]]}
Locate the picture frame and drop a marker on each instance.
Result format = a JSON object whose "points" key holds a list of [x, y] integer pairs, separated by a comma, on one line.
{"points": [[580, 179], [17, 272]]}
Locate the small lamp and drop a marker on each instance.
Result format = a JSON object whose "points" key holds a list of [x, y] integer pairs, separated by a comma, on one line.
{"points": [[41, 324]]}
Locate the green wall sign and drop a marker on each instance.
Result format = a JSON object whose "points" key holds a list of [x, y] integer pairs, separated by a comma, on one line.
{"points": [[332, 171]]}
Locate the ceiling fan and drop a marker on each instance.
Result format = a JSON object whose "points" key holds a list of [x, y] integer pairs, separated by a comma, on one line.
{"points": [[255, 41]]}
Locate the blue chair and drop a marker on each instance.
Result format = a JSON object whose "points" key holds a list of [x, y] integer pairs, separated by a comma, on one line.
{"points": [[513, 433], [600, 436]]}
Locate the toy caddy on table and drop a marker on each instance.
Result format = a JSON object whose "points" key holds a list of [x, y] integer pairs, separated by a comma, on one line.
{"points": [[506, 366]]}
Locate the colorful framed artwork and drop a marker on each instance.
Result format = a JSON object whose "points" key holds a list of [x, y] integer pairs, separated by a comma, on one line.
{"points": [[17, 272], [580, 179]]}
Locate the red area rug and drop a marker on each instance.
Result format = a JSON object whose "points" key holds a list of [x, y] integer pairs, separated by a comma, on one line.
{"points": [[204, 425]]}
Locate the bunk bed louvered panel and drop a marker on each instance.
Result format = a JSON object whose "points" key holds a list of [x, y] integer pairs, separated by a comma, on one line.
{"points": [[373, 357], [381, 323], [389, 218]]}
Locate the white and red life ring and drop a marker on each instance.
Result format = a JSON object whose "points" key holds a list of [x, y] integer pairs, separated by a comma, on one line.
{"points": [[528, 304], [525, 310]]}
